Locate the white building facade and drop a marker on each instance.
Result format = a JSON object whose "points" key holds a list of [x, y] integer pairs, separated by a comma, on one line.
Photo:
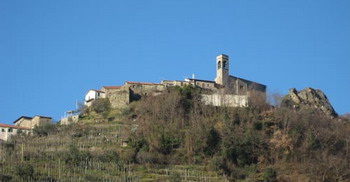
{"points": [[92, 95], [7, 131]]}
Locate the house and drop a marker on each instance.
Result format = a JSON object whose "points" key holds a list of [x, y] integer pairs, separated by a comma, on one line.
{"points": [[31, 122], [7, 131], [92, 95]]}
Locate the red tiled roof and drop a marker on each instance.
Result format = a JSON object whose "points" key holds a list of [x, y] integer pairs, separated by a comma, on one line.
{"points": [[143, 83], [111, 87], [13, 126]]}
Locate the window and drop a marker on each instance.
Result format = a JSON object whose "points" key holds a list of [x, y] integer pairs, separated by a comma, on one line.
{"points": [[2, 130], [225, 65], [219, 65], [10, 130]]}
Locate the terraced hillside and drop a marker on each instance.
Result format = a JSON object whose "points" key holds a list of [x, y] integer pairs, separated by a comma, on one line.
{"points": [[87, 152]]}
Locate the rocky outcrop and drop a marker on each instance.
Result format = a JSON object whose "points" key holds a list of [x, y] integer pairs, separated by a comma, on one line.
{"points": [[309, 98]]}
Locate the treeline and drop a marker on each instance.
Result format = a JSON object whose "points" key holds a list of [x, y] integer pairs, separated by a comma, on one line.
{"points": [[258, 143]]}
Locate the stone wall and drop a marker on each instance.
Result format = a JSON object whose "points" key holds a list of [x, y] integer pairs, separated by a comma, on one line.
{"points": [[118, 98], [225, 100], [38, 120], [139, 90], [241, 86], [69, 120], [24, 122]]}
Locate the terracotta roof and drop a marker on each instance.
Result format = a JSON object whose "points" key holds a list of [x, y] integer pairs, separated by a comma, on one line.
{"points": [[112, 87], [143, 83], [25, 117], [13, 126]]}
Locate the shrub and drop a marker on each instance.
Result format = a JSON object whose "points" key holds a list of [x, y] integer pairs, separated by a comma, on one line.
{"points": [[175, 177], [91, 178], [269, 175], [5, 178], [8, 148], [75, 157], [109, 156], [101, 105], [217, 163], [24, 171], [144, 157], [167, 143], [45, 129], [212, 143]]}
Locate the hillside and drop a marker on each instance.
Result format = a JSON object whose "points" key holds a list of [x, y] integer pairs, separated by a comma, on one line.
{"points": [[174, 137]]}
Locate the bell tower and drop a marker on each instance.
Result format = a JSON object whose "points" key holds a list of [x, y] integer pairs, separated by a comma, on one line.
{"points": [[222, 69]]}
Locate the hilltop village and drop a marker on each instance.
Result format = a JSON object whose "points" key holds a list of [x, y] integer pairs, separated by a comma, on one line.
{"points": [[225, 90]]}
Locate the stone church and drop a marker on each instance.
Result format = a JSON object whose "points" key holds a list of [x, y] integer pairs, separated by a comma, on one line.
{"points": [[226, 90]]}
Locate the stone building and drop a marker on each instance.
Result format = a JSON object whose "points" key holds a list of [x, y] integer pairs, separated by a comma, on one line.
{"points": [[31, 122], [225, 89]]}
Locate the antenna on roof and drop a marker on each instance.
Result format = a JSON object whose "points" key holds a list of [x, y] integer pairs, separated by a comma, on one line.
{"points": [[76, 104]]}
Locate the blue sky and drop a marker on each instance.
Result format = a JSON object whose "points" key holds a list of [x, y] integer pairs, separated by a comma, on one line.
{"points": [[52, 52]]}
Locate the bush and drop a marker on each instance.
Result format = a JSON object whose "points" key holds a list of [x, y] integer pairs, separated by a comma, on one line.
{"points": [[8, 148], [269, 175], [75, 157], [167, 143], [175, 177], [45, 129], [217, 163], [212, 143], [101, 105], [24, 171], [5, 178], [109, 156], [144, 157], [91, 178]]}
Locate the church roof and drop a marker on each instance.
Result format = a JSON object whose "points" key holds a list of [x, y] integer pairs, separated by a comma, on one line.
{"points": [[112, 87], [247, 80], [143, 83], [191, 79]]}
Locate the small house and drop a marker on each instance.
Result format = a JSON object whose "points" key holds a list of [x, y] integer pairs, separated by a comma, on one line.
{"points": [[7, 131], [92, 95]]}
